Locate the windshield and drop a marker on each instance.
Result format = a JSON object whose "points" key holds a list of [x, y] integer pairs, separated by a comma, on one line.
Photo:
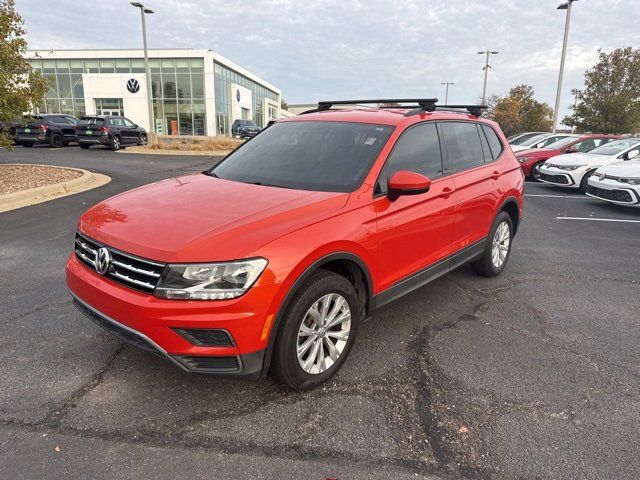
{"points": [[614, 148], [523, 138], [318, 156], [561, 143], [533, 140]]}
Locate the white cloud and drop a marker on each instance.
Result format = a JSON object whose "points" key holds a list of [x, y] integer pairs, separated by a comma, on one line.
{"points": [[335, 49]]}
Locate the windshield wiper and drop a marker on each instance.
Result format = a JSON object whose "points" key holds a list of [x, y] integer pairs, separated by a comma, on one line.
{"points": [[269, 185]]}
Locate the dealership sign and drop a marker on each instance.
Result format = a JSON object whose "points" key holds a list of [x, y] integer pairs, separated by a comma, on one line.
{"points": [[133, 85]]}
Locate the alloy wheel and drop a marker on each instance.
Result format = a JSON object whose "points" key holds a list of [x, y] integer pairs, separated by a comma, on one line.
{"points": [[500, 244], [323, 333]]}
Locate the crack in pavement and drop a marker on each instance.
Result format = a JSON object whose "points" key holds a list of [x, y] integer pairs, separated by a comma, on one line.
{"points": [[33, 310]]}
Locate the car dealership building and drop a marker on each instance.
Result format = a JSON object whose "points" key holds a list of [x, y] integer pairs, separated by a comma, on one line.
{"points": [[194, 92]]}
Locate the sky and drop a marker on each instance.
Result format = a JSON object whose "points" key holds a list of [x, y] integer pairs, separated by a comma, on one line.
{"points": [[330, 49]]}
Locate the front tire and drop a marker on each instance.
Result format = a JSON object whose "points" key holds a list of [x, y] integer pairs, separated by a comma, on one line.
{"points": [[498, 248], [27, 144], [143, 141], [585, 179], [317, 331]]}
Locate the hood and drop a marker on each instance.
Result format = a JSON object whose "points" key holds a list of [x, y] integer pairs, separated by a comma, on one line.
{"points": [[198, 218], [580, 159], [628, 169]]}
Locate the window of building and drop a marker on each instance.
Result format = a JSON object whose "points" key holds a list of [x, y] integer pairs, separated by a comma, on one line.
{"points": [[463, 146]]}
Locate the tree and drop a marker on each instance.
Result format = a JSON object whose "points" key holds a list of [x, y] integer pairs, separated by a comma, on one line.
{"points": [[520, 112], [284, 105], [20, 86], [610, 101]]}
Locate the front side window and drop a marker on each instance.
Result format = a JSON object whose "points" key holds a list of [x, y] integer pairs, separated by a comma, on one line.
{"points": [[127, 122], [462, 143], [307, 155], [417, 150]]}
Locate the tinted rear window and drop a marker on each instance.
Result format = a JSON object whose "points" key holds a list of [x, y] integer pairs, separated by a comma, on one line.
{"points": [[319, 156], [91, 121], [494, 142]]}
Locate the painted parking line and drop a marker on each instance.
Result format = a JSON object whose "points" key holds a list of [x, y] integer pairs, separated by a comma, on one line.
{"points": [[599, 219], [582, 197]]}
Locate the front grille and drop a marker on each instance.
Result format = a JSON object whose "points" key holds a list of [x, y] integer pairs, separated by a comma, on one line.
{"points": [[134, 272], [209, 364], [615, 195], [204, 337], [554, 178], [122, 333]]}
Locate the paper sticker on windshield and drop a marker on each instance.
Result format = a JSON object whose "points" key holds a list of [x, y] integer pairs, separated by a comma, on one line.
{"points": [[370, 141]]}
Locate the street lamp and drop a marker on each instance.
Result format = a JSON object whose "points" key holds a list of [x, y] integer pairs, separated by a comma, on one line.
{"points": [[446, 91], [563, 6], [146, 11], [486, 71]]}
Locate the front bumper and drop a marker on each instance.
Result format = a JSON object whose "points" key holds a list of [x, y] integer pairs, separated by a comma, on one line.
{"points": [[561, 178], [613, 191], [155, 324]]}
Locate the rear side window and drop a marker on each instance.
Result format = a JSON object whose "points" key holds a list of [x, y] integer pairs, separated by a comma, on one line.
{"points": [[117, 122], [494, 142], [462, 142]]}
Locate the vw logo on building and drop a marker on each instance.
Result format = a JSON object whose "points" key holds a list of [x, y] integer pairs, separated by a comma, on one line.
{"points": [[238, 94], [133, 85], [102, 261]]}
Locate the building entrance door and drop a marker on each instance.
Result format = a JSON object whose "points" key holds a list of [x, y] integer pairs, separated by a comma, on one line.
{"points": [[109, 106]]}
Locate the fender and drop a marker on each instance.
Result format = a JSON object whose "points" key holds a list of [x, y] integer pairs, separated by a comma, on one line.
{"points": [[296, 285], [511, 199]]}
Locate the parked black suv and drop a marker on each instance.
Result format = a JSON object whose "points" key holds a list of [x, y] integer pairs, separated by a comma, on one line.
{"points": [[244, 129], [56, 130], [110, 131]]}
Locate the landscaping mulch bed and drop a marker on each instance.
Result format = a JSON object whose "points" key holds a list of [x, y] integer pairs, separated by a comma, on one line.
{"points": [[14, 178]]}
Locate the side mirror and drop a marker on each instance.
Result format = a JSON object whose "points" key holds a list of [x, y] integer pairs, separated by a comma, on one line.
{"points": [[571, 150], [405, 182], [631, 154]]}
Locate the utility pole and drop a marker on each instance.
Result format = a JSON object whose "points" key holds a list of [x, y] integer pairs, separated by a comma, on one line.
{"points": [[446, 91], [563, 6], [145, 11], [486, 68]]}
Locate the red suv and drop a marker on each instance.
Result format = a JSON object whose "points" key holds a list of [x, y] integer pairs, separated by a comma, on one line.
{"points": [[531, 160], [271, 260]]}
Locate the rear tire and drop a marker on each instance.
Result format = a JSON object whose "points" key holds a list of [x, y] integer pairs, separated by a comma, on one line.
{"points": [[27, 144], [115, 143], [498, 249], [56, 140], [84, 147], [305, 328]]}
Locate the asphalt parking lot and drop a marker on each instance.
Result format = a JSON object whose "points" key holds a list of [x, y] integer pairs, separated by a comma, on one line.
{"points": [[534, 374]]}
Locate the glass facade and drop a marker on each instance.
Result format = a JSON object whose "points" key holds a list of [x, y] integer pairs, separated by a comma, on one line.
{"points": [[177, 86], [223, 78]]}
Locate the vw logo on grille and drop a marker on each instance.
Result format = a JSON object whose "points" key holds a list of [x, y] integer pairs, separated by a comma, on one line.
{"points": [[133, 86], [102, 261]]}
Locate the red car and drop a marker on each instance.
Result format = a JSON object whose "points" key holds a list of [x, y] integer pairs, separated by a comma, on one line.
{"points": [[271, 260], [531, 160]]}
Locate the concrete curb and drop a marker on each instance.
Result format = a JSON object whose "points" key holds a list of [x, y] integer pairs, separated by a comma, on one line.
{"points": [[148, 151], [32, 196]]}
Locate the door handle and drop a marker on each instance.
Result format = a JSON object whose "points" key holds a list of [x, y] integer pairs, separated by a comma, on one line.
{"points": [[495, 175], [446, 192]]}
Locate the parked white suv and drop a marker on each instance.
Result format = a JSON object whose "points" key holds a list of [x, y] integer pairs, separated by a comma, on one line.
{"points": [[618, 183], [539, 141], [574, 169]]}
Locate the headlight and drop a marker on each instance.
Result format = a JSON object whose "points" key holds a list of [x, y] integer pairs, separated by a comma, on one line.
{"points": [[634, 181], [209, 281], [570, 167], [598, 175], [523, 159]]}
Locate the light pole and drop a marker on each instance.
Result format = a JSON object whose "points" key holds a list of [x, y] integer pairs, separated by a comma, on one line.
{"points": [[486, 68], [446, 91], [563, 6], [144, 11]]}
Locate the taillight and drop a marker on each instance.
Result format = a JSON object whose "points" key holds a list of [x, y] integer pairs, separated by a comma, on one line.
{"points": [[44, 127]]}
